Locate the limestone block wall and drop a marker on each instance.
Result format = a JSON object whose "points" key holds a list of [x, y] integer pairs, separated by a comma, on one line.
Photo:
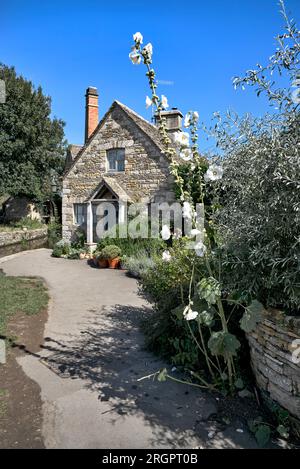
{"points": [[7, 238], [275, 360]]}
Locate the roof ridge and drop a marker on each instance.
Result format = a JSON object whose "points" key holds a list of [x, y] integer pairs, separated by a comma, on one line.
{"points": [[135, 113]]}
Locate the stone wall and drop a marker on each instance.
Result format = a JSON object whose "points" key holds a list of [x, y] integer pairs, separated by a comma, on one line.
{"points": [[13, 237], [273, 349]]}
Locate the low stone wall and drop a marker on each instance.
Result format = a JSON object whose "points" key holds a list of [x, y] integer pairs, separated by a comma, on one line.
{"points": [[15, 241], [275, 351]]}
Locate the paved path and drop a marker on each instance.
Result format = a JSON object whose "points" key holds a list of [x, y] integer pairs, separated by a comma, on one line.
{"points": [[93, 354]]}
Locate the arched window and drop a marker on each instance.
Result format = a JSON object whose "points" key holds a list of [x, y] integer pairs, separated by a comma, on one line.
{"points": [[116, 159]]}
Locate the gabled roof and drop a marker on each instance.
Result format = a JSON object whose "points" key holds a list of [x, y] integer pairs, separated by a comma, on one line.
{"points": [[146, 127], [114, 187]]}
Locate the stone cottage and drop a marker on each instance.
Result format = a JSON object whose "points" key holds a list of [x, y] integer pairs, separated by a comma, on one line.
{"points": [[122, 161]]}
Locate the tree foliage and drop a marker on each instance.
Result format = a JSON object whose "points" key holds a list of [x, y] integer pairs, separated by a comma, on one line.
{"points": [[260, 215], [32, 145]]}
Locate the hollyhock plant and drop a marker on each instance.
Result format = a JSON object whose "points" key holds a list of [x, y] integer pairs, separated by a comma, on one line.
{"points": [[220, 349], [186, 154], [189, 314], [214, 173], [135, 57], [138, 38]]}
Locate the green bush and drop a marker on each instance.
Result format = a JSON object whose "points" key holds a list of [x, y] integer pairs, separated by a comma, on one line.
{"points": [[132, 246], [166, 285], [111, 251], [138, 266], [260, 215], [61, 248], [79, 240], [54, 233], [28, 223]]}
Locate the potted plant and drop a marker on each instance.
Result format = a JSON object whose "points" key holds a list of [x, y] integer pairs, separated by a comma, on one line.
{"points": [[111, 253]]}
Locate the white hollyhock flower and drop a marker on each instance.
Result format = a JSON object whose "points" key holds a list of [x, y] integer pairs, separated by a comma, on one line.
{"points": [[149, 49], [135, 57], [188, 314], [187, 211], [165, 233], [187, 120], [182, 139], [200, 249], [137, 37], [164, 101], [148, 102], [166, 256], [195, 232], [191, 117], [214, 173], [186, 154]]}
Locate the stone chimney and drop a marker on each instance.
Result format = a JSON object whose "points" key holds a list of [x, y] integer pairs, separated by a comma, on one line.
{"points": [[173, 119], [91, 111]]}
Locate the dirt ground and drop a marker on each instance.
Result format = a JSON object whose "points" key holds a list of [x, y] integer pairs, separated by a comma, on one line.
{"points": [[20, 399]]}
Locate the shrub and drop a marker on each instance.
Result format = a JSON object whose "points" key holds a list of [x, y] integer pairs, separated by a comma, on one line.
{"points": [[132, 246], [79, 240], [111, 251], [61, 248], [54, 233], [138, 265], [28, 223], [166, 284], [260, 216]]}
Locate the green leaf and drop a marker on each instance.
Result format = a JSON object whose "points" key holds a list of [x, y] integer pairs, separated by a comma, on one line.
{"points": [[239, 383], [209, 289], [262, 435], [162, 375], [224, 344], [178, 312], [252, 316], [206, 318], [283, 431]]}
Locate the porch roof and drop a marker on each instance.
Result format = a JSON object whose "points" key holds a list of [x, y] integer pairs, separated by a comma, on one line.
{"points": [[112, 185]]}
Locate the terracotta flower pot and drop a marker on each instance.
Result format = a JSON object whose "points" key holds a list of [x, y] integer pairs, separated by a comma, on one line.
{"points": [[102, 263], [114, 263]]}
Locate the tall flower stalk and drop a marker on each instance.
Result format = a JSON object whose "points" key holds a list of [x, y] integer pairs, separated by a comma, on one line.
{"points": [[221, 343]]}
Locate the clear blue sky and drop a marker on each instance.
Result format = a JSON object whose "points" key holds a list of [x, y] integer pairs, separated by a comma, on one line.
{"points": [[200, 45]]}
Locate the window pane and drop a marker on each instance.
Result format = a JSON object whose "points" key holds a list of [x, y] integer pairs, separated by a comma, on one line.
{"points": [[116, 159], [80, 214]]}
